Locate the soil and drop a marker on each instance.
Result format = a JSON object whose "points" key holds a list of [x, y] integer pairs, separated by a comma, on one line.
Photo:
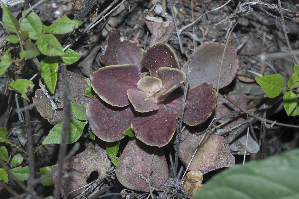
{"points": [[252, 28]]}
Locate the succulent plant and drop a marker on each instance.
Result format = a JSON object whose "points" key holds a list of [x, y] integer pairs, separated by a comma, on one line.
{"points": [[128, 95], [144, 91]]}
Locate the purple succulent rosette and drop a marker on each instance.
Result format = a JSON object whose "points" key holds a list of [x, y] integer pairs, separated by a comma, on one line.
{"points": [[123, 90]]}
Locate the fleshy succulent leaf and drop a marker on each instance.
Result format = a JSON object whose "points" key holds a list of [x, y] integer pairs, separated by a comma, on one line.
{"points": [[112, 82], [139, 163], [108, 122], [159, 55], [149, 84], [171, 78], [141, 101], [120, 51], [201, 102], [205, 65], [213, 153], [156, 128]]}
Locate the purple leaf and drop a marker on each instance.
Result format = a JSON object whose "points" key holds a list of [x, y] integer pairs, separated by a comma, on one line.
{"points": [[141, 101], [141, 166], [156, 128], [159, 55], [201, 102], [120, 51], [171, 78], [112, 82], [213, 153], [110, 121], [205, 65]]}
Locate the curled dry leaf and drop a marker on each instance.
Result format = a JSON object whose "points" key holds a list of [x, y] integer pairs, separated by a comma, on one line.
{"points": [[77, 86], [193, 182], [77, 169], [213, 153], [161, 31]]}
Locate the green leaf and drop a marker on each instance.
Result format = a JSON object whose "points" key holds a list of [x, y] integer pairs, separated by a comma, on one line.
{"points": [[112, 150], [271, 84], [129, 132], [49, 45], [32, 50], [91, 134], [22, 173], [89, 92], [49, 70], [3, 67], [6, 57], [33, 25], [289, 101], [293, 81], [296, 69], [17, 159], [21, 85], [70, 56], [24, 35], [78, 114], [75, 132], [3, 175], [44, 171], [295, 112], [5, 62], [12, 39], [10, 23], [22, 54], [3, 153], [63, 25], [3, 134], [275, 177]]}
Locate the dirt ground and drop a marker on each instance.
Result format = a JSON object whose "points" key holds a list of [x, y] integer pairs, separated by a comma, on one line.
{"points": [[252, 28]]}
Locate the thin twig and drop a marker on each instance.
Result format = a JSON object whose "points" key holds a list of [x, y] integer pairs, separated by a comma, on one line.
{"points": [[98, 19], [69, 155], [220, 68], [176, 27], [31, 106], [12, 88], [194, 22], [179, 128], [245, 150], [26, 12], [18, 182], [257, 117], [65, 128], [278, 55], [12, 192], [295, 60], [30, 185], [20, 115]]}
